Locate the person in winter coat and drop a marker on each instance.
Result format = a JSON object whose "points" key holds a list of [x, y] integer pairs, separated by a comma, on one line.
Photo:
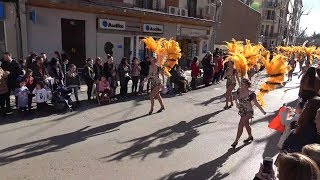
{"points": [[208, 68], [144, 72], [39, 71], [195, 72], [89, 76], [73, 81], [124, 70], [135, 74], [288, 123], [306, 132], [4, 92], [55, 71], [98, 69], [109, 67]]}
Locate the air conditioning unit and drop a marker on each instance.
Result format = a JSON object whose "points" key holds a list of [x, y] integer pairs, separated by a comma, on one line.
{"points": [[173, 10], [184, 12]]}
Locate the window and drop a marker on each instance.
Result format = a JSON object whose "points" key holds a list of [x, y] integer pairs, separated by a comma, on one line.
{"points": [[146, 4], [271, 30], [268, 14], [266, 32], [273, 15], [192, 8], [262, 29]]}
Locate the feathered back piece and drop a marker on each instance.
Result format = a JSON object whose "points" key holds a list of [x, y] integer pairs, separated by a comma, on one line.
{"points": [[234, 46], [276, 71], [168, 52], [309, 51]]}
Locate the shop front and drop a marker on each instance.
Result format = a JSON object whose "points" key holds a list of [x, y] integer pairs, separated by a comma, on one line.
{"points": [[193, 42]]}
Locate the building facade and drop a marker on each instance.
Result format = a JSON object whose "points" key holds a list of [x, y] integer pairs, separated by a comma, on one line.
{"points": [[244, 23], [280, 21], [95, 28]]}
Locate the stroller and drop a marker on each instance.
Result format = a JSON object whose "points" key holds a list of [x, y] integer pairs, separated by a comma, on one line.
{"points": [[61, 100]]}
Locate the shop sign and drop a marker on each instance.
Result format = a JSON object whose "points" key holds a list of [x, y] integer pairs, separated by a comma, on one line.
{"points": [[112, 24], [153, 28], [193, 32]]}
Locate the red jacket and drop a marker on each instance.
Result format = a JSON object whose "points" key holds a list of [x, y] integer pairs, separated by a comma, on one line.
{"points": [[195, 70], [220, 63]]}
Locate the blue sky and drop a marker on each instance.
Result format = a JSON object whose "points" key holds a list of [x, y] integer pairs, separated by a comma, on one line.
{"points": [[311, 21]]}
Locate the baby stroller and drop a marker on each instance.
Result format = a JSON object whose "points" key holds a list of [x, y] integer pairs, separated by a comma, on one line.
{"points": [[61, 100]]}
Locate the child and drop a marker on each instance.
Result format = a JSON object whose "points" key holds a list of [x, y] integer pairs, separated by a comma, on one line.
{"points": [[195, 72], [41, 96], [135, 73], [287, 123], [104, 88], [30, 84], [22, 95], [73, 81], [113, 81]]}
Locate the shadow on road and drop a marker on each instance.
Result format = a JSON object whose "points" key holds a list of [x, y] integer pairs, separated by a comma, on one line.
{"points": [[171, 138], [209, 170], [56, 143], [209, 101]]}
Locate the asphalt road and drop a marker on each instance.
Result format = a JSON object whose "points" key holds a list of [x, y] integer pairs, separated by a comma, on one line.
{"points": [[190, 140]]}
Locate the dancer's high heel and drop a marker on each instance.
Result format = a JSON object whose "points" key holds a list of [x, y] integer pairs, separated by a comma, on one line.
{"points": [[234, 144], [248, 140], [151, 110], [226, 107], [230, 106], [160, 110]]}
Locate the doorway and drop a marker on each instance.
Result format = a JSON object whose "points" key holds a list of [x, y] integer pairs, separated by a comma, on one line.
{"points": [[74, 40]]}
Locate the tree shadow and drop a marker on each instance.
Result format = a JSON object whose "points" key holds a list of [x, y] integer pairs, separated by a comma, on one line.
{"points": [[56, 143], [170, 138], [271, 148], [209, 170]]}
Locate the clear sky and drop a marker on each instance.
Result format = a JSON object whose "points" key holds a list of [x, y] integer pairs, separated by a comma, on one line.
{"points": [[311, 21]]}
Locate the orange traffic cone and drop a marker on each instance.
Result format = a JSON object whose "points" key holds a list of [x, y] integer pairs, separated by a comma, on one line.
{"points": [[276, 122]]}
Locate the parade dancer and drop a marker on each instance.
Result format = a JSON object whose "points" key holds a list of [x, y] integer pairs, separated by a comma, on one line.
{"points": [[244, 100], [156, 84], [232, 79]]}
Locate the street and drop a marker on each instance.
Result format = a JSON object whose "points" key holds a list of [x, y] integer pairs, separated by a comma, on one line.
{"points": [[190, 140]]}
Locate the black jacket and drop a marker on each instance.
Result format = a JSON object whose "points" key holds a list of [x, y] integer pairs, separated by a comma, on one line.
{"points": [[36, 72], [88, 74], [98, 70], [145, 65], [15, 71], [109, 69], [295, 142]]}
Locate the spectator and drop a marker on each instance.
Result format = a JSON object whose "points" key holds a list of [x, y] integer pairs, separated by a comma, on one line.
{"points": [[313, 152], [104, 88], [31, 85], [23, 65], [57, 55], [109, 67], [292, 166], [64, 56], [288, 123], [135, 73], [306, 132], [144, 72], [4, 92], [22, 94], [195, 72], [219, 70], [309, 85], [179, 80], [73, 81], [31, 59], [64, 67], [208, 68], [98, 69], [15, 71], [39, 71], [55, 71], [45, 60], [113, 85], [317, 122], [89, 76], [41, 95], [124, 77]]}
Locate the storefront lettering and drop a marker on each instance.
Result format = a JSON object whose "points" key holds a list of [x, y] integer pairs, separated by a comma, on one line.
{"points": [[112, 24], [153, 28]]}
